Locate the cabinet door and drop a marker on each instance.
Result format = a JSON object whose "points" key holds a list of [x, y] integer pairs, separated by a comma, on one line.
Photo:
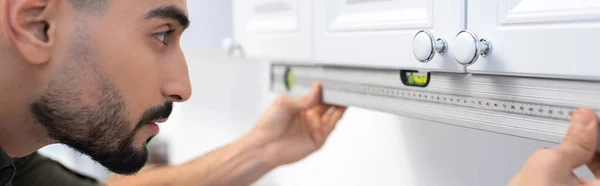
{"points": [[379, 33], [273, 29], [538, 37]]}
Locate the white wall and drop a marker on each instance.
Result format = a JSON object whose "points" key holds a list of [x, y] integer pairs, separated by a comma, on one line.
{"points": [[211, 21]]}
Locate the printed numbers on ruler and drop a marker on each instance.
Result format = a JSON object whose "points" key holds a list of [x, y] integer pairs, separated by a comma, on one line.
{"points": [[538, 110], [522, 108]]}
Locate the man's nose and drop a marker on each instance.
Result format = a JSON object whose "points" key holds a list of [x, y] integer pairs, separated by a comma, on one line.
{"points": [[177, 86], [178, 91]]}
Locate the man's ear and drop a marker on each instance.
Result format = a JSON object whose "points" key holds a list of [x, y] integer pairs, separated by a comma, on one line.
{"points": [[31, 29]]}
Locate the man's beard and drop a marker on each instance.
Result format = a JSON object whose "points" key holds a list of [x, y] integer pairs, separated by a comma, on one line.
{"points": [[99, 130], [84, 109]]}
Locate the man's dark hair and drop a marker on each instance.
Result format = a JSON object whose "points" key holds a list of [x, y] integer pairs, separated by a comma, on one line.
{"points": [[90, 6]]}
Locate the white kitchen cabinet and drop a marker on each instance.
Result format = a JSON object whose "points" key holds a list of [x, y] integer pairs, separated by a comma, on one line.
{"points": [[379, 33], [557, 38], [273, 29]]}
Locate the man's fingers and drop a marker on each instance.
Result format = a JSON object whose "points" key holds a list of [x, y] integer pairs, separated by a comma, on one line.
{"points": [[330, 120], [322, 120], [314, 126], [310, 100], [579, 144], [315, 116], [594, 165], [322, 108]]}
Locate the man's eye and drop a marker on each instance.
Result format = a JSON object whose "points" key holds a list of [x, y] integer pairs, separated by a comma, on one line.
{"points": [[162, 36]]}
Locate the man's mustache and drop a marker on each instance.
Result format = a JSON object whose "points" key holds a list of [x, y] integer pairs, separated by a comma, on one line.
{"points": [[155, 113]]}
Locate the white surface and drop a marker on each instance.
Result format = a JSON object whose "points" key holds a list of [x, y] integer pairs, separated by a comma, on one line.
{"points": [[531, 37], [537, 36], [380, 33], [465, 48], [422, 46], [274, 29]]}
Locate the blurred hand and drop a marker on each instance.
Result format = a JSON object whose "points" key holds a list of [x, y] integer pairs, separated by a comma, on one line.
{"points": [[555, 166], [293, 128]]}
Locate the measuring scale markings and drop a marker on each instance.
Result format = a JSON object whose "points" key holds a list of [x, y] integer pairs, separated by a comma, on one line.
{"points": [[522, 108]]}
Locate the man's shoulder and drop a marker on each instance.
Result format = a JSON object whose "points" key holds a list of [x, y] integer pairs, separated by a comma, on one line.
{"points": [[36, 169], [7, 170]]}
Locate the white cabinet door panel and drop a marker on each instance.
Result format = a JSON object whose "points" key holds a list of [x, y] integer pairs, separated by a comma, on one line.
{"points": [[538, 37], [379, 33], [274, 29]]}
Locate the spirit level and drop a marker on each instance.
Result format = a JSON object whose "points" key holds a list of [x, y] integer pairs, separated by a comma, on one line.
{"points": [[535, 108]]}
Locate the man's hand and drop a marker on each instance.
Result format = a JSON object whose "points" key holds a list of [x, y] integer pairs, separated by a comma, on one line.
{"points": [[555, 166], [293, 128]]}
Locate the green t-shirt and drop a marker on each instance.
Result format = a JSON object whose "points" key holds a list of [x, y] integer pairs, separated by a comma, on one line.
{"points": [[36, 169]]}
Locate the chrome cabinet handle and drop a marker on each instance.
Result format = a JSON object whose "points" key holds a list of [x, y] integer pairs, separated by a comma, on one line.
{"points": [[425, 46], [467, 48], [485, 47]]}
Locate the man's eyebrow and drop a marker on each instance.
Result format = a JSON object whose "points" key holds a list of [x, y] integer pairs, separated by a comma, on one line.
{"points": [[170, 12]]}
